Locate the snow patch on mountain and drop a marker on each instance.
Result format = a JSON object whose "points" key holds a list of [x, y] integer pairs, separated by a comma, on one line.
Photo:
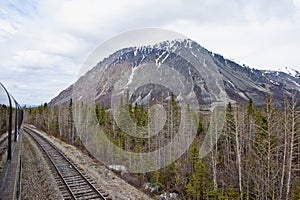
{"points": [[131, 76], [290, 71], [158, 62]]}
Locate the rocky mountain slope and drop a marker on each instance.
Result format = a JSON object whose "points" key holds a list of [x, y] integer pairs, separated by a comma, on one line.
{"points": [[190, 60]]}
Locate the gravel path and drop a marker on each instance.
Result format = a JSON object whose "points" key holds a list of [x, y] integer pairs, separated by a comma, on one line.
{"points": [[37, 180]]}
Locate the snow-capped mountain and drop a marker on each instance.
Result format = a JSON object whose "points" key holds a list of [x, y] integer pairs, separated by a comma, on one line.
{"points": [[189, 59]]}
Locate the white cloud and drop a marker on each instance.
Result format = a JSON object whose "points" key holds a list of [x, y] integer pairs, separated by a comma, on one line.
{"points": [[44, 43]]}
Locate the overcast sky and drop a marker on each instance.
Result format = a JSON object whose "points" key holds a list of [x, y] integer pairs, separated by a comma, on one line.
{"points": [[44, 43]]}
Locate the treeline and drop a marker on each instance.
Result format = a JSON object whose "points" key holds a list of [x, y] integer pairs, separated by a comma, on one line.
{"points": [[57, 121], [257, 155]]}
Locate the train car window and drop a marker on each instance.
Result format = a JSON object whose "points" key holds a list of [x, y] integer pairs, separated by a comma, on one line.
{"points": [[13, 122], [20, 117], [4, 111]]}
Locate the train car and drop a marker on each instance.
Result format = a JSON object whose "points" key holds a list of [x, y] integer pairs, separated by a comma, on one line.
{"points": [[11, 118]]}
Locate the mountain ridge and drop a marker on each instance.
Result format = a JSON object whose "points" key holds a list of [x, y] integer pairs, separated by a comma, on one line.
{"points": [[241, 82]]}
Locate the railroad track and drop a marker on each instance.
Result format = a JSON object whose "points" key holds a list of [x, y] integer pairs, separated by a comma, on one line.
{"points": [[72, 183]]}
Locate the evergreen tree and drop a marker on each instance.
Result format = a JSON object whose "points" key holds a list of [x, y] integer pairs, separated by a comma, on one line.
{"points": [[199, 185], [200, 129], [266, 150]]}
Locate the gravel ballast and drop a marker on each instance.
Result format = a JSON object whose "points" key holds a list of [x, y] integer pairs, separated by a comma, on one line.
{"points": [[37, 180]]}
